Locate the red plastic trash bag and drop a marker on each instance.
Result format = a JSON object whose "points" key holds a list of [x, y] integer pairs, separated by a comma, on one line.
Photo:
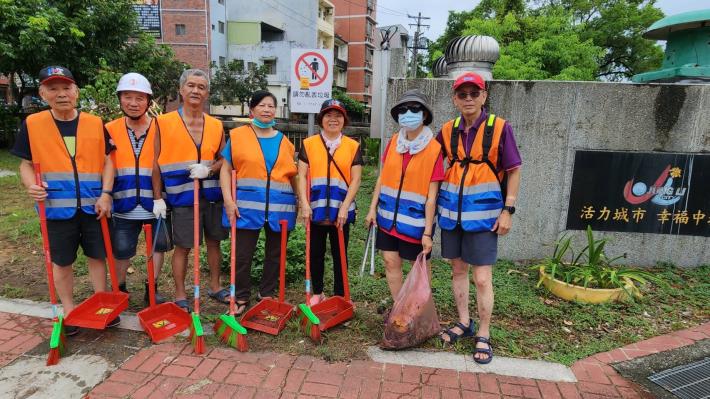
{"points": [[413, 318]]}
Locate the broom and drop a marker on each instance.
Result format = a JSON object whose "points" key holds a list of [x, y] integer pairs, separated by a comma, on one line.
{"points": [[196, 333], [309, 322], [227, 328], [57, 341]]}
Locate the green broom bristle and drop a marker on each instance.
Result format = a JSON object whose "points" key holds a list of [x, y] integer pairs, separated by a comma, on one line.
{"points": [[197, 334], [229, 331]]}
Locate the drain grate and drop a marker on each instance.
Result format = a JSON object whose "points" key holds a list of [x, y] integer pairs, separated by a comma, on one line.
{"points": [[690, 381]]}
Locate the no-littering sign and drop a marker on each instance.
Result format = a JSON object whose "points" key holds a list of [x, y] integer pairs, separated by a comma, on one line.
{"points": [[311, 79]]}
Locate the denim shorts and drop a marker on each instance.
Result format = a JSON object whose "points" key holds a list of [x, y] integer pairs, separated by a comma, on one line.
{"points": [[126, 232]]}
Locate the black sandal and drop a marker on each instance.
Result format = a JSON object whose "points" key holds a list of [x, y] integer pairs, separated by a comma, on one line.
{"points": [[468, 331], [488, 351]]}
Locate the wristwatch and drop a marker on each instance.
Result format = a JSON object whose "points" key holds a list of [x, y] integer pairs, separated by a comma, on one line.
{"points": [[510, 209]]}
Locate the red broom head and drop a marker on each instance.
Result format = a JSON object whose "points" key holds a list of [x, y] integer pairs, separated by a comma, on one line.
{"points": [[53, 357], [315, 333], [242, 345]]}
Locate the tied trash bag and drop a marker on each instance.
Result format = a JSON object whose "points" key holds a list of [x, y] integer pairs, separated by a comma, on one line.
{"points": [[413, 318]]}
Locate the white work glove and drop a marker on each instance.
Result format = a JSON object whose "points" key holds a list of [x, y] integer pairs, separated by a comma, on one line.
{"points": [[198, 171], [159, 208]]}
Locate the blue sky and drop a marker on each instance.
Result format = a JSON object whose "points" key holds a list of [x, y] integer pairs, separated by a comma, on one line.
{"points": [[391, 12]]}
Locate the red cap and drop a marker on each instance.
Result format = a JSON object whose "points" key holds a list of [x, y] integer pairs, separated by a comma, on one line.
{"points": [[470, 78]]}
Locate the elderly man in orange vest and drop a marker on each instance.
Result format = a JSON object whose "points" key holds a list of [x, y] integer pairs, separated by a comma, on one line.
{"points": [[187, 147], [72, 149]]}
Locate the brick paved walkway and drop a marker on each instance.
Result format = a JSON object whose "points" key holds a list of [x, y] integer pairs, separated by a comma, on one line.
{"points": [[172, 370]]}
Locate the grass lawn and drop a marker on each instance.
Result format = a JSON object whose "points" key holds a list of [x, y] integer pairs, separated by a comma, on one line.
{"points": [[527, 321]]}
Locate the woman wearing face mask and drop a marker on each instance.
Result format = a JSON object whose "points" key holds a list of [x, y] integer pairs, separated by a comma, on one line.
{"points": [[266, 185], [334, 163], [404, 200]]}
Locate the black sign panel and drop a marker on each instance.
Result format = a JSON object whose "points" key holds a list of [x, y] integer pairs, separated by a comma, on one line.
{"points": [[659, 193], [149, 16]]}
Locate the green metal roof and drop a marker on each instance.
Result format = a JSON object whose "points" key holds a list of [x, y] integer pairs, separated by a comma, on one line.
{"points": [[687, 20]]}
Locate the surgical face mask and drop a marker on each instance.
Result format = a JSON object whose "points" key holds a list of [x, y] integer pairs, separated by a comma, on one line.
{"points": [[262, 125], [411, 120]]}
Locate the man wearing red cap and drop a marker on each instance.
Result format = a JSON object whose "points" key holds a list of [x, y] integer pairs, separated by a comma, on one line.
{"points": [[475, 205], [72, 149]]}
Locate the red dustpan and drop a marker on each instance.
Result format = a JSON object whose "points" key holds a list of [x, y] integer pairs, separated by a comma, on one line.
{"points": [[102, 307], [336, 309], [164, 320], [270, 316]]}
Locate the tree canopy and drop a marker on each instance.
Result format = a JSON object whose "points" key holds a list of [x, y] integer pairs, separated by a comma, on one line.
{"points": [[561, 39], [232, 84], [78, 34]]}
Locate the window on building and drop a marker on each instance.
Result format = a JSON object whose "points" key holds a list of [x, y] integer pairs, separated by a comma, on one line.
{"points": [[212, 26], [222, 61], [180, 29], [251, 65], [221, 26], [240, 67], [270, 67], [368, 80], [220, 1]]}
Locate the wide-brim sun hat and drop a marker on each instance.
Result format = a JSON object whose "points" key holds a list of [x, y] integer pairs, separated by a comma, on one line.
{"points": [[413, 96]]}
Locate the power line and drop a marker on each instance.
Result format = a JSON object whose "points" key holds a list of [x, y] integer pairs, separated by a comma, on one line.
{"points": [[417, 37]]}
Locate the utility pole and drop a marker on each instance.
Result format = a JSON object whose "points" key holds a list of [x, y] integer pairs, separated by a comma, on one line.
{"points": [[417, 37]]}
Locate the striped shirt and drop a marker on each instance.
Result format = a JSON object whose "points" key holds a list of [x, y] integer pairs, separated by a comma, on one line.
{"points": [[138, 213]]}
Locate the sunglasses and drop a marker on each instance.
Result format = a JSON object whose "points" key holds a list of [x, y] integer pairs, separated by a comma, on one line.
{"points": [[462, 95], [402, 109]]}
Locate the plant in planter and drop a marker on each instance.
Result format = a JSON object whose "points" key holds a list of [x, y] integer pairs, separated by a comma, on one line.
{"points": [[590, 276]]}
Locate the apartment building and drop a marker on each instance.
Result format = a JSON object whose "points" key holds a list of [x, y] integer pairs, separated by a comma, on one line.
{"points": [[355, 22]]}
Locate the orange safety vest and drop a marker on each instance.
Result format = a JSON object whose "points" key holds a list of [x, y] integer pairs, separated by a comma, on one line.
{"points": [[178, 150], [330, 176], [471, 195], [403, 193], [262, 197], [133, 184], [73, 182]]}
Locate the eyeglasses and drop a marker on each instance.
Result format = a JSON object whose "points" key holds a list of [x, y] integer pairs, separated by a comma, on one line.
{"points": [[404, 108], [462, 95]]}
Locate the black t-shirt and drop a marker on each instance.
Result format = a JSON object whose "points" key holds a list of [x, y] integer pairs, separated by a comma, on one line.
{"points": [[66, 128]]}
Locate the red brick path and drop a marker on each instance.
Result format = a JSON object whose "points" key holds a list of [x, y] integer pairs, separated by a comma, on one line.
{"points": [[172, 370]]}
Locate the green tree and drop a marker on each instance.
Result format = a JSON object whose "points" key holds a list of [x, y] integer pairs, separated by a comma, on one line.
{"points": [[99, 97], [157, 63], [562, 39], [232, 84], [73, 33]]}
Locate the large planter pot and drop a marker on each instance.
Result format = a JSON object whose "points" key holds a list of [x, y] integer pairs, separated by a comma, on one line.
{"points": [[572, 292]]}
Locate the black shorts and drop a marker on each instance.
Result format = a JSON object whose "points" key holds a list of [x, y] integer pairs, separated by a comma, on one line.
{"points": [[476, 249], [210, 223], [406, 250], [65, 236], [125, 234]]}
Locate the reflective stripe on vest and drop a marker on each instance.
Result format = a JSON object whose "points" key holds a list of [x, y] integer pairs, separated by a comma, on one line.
{"points": [[178, 151], [262, 197], [328, 187], [133, 184], [72, 182], [403, 194], [470, 194]]}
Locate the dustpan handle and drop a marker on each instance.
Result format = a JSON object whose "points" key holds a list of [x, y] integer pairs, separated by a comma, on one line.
{"points": [[109, 254], [45, 244], [367, 249], [343, 263], [282, 263], [148, 229]]}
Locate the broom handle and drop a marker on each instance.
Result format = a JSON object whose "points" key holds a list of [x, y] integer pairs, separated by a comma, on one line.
{"points": [[45, 244], [233, 250], [343, 263], [196, 241], [308, 243], [282, 263], [109, 254], [148, 229]]}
